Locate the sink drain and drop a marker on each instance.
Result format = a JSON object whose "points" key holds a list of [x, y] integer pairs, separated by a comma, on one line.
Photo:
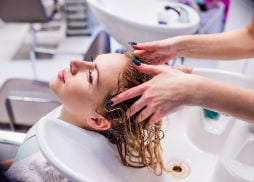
{"points": [[178, 170]]}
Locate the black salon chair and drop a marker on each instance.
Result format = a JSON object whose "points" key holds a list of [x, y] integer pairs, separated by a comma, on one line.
{"points": [[23, 102], [26, 11]]}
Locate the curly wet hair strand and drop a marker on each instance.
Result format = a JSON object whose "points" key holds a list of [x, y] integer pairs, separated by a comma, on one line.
{"points": [[138, 144]]}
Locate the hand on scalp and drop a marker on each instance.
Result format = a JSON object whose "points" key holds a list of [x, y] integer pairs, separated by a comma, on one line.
{"points": [[158, 96], [157, 52]]}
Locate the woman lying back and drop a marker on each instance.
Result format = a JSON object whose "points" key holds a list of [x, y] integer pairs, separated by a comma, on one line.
{"points": [[84, 89]]}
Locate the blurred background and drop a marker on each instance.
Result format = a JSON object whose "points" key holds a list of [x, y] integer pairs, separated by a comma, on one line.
{"points": [[40, 37]]}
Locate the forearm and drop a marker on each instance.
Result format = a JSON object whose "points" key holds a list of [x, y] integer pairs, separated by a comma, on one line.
{"points": [[236, 44], [225, 98]]}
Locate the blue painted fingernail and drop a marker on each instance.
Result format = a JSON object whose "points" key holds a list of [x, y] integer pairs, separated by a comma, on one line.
{"points": [[211, 114], [109, 102], [136, 61], [132, 43]]}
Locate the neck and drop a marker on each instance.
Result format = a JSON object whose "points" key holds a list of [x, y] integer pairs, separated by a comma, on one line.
{"points": [[71, 118]]}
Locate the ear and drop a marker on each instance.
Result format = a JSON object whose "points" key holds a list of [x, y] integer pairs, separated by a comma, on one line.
{"points": [[99, 123]]}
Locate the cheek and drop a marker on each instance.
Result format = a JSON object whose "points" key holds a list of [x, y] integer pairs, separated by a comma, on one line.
{"points": [[78, 91], [81, 94], [74, 100]]}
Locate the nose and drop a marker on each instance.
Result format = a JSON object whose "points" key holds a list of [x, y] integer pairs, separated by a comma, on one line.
{"points": [[77, 65]]}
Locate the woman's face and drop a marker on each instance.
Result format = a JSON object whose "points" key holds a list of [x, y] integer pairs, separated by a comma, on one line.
{"points": [[83, 86]]}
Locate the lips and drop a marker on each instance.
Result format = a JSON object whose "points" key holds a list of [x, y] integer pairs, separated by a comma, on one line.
{"points": [[61, 76]]}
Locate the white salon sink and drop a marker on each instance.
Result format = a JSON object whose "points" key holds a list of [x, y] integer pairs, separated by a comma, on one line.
{"points": [[198, 149], [139, 20]]}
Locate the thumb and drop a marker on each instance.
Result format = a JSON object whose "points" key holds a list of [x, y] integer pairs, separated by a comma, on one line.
{"points": [[148, 69]]}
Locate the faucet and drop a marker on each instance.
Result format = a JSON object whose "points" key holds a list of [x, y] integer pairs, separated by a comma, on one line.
{"points": [[182, 13]]}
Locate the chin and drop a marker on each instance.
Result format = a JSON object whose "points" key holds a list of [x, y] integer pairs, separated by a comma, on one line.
{"points": [[53, 84]]}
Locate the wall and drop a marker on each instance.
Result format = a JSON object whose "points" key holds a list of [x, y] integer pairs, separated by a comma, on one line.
{"points": [[239, 15]]}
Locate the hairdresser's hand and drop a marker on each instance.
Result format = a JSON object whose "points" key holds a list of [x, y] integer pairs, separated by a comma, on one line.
{"points": [[157, 52], [164, 93]]}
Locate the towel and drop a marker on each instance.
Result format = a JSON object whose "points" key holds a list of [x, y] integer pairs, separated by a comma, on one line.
{"points": [[34, 168]]}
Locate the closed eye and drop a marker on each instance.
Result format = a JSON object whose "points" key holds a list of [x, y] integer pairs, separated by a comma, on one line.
{"points": [[90, 77]]}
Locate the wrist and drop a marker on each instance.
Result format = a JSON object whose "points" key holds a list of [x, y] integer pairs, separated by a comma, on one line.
{"points": [[178, 45], [196, 91]]}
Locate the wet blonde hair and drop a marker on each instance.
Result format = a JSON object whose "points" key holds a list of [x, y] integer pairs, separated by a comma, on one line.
{"points": [[138, 144]]}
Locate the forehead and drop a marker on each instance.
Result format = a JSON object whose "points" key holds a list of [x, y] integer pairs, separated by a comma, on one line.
{"points": [[110, 67], [113, 62], [112, 58]]}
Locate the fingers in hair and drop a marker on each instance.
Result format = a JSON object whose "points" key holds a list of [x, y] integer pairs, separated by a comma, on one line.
{"points": [[128, 94]]}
